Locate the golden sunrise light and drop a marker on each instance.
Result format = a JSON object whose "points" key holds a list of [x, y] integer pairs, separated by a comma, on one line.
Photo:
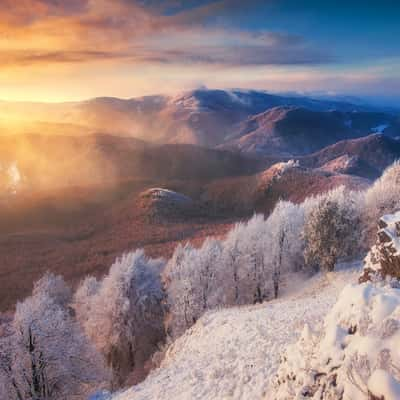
{"points": [[199, 200]]}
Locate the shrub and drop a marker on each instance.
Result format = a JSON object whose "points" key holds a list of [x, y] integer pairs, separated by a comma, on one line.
{"points": [[332, 228]]}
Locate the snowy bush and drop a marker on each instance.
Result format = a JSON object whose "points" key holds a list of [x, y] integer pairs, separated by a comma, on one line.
{"points": [[123, 313], [382, 198], [355, 354], [332, 228], [44, 354]]}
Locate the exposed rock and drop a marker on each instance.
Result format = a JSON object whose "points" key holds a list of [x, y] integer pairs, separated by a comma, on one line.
{"points": [[383, 260]]}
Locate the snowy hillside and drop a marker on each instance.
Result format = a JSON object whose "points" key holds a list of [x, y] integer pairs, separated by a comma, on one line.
{"points": [[234, 353]]}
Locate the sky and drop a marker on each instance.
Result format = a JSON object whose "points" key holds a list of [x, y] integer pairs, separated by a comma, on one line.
{"points": [[62, 50]]}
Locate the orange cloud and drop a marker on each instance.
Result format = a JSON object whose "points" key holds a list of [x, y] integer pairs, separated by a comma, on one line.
{"points": [[43, 28], [56, 31], [24, 12], [69, 49]]}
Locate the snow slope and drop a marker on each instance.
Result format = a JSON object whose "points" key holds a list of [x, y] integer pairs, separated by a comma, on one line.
{"points": [[234, 353]]}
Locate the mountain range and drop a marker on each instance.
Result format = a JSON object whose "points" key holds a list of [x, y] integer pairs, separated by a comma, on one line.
{"points": [[202, 117]]}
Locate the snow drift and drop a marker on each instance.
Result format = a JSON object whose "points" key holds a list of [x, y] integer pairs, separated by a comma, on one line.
{"points": [[354, 356]]}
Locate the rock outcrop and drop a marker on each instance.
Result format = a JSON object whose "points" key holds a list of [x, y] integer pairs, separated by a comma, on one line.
{"points": [[383, 260]]}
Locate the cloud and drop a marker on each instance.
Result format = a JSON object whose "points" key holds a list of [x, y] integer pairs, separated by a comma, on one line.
{"points": [[38, 57], [202, 12], [61, 31], [235, 48], [232, 47], [23, 12]]}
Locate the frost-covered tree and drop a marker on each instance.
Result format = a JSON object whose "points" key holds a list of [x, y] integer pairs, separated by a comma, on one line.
{"points": [[204, 276], [383, 197], [55, 287], [243, 275], [350, 205], [332, 228], [255, 278], [44, 355], [192, 284], [231, 260], [83, 299], [322, 233], [123, 313], [284, 244], [178, 288]]}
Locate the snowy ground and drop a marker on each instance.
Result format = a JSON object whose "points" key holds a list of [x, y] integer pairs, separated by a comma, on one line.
{"points": [[234, 353]]}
